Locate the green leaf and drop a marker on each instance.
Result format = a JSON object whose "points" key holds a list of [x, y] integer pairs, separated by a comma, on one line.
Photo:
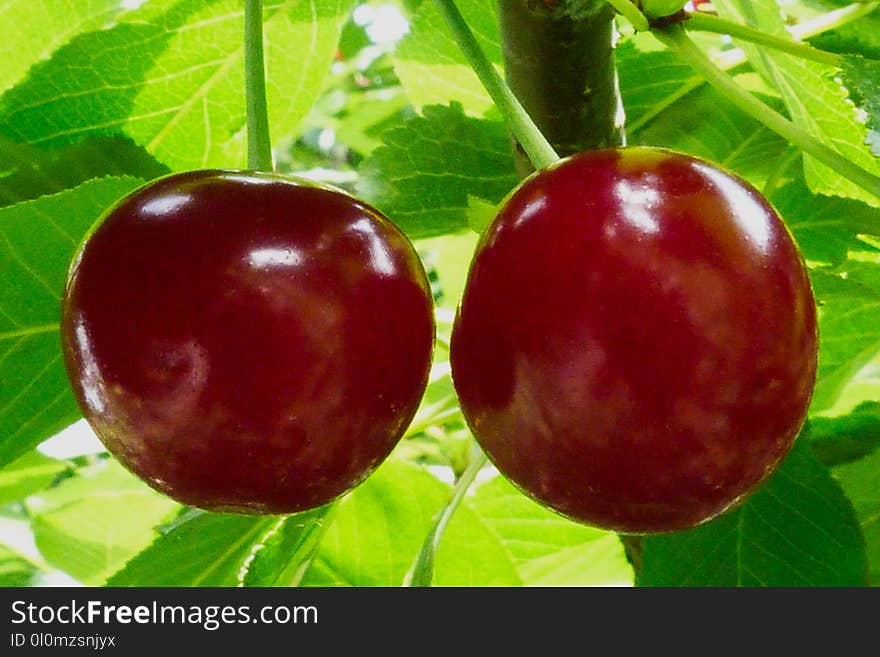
{"points": [[471, 555], [430, 65], [28, 474], [226, 549], [210, 549], [100, 479], [15, 569], [41, 26], [837, 440], [93, 523], [861, 483], [352, 40], [826, 228], [89, 86], [548, 549], [430, 166], [814, 100], [29, 172], [287, 551], [798, 529], [171, 77], [480, 214], [707, 126], [861, 36], [651, 81], [37, 241], [380, 527], [862, 78], [849, 326]]}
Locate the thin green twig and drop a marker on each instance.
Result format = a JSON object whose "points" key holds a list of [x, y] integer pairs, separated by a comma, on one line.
{"points": [[422, 571], [259, 142], [632, 13], [534, 143], [707, 23]]}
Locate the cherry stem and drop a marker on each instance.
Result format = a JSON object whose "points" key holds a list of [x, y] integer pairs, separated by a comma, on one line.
{"points": [[675, 38], [533, 142], [631, 13], [422, 571], [259, 143], [702, 22]]}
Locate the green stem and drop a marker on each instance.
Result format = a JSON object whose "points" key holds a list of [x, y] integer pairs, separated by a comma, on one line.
{"points": [[708, 23], [259, 144], [631, 13], [422, 571], [675, 38], [534, 143]]}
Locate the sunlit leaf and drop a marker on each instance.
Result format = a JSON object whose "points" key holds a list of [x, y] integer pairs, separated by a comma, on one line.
{"points": [[37, 241]]}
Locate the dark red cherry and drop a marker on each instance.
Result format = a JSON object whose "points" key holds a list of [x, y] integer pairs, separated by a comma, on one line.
{"points": [[636, 345], [243, 341]]}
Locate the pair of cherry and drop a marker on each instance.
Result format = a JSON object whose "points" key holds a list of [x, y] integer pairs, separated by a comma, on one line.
{"points": [[635, 348]]}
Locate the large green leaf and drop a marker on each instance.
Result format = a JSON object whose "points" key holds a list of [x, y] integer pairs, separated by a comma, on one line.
{"points": [[226, 549], [30, 171], [286, 551], [41, 26], [429, 167], [704, 124], [172, 78], [651, 81], [37, 241], [431, 66], [861, 36], [814, 100], [798, 529], [826, 228], [94, 522], [849, 326], [210, 549], [549, 550], [861, 483], [380, 527], [862, 77]]}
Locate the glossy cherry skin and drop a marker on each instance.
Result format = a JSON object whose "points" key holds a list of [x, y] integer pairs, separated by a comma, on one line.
{"points": [[636, 344], [246, 342]]}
